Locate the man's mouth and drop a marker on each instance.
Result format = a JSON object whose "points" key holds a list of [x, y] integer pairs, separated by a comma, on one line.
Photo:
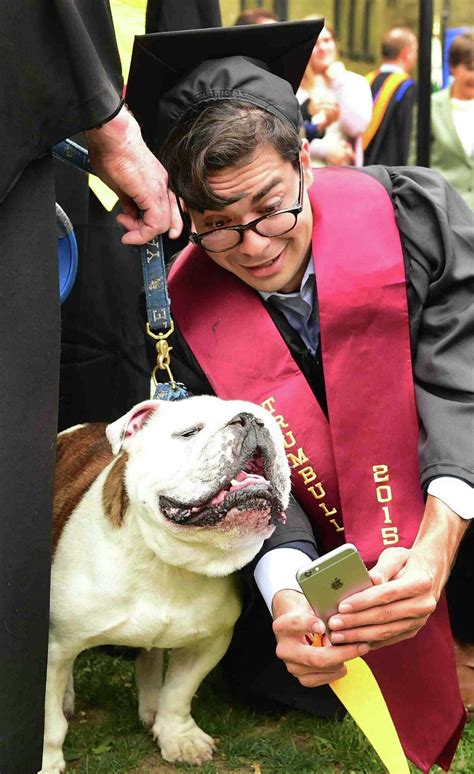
{"points": [[246, 492], [263, 265], [267, 267]]}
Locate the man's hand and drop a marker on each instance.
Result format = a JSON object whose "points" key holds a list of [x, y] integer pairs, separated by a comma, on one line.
{"points": [[119, 156], [323, 113], [294, 624], [407, 584], [395, 608]]}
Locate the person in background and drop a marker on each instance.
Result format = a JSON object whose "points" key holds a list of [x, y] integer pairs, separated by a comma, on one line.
{"points": [[452, 123], [316, 117], [387, 138], [60, 74], [256, 16], [340, 105]]}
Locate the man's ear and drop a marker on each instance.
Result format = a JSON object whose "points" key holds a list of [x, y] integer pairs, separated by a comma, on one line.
{"points": [[120, 432], [305, 159], [186, 215]]}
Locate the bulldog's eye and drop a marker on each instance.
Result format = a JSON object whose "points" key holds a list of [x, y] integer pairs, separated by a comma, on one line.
{"points": [[189, 432]]}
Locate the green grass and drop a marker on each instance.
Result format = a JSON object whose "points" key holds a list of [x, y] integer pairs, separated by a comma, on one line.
{"points": [[106, 737]]}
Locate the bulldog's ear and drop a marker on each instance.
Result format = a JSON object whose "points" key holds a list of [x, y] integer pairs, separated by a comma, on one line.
{"points": [[122, 430]]}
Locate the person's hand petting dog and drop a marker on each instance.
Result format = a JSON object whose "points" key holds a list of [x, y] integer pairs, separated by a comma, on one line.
{"points": [[120, 157], [406, 590]]}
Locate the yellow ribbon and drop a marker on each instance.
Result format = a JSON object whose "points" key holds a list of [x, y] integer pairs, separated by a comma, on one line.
{"points": [[360, 694], [381, 104]]}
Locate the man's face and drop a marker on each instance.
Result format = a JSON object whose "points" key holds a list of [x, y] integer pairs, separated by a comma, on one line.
{"points": [[463, 85], [267, 184]]}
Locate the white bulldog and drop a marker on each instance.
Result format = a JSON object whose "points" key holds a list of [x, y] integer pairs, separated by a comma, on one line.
{"points": [[144, 546]]}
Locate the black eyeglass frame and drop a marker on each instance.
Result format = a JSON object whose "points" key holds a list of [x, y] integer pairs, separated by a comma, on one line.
{"points": [[196, 238]]}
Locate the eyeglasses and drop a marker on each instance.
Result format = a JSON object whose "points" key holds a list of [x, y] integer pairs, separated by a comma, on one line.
{"points": [[219, 240]]}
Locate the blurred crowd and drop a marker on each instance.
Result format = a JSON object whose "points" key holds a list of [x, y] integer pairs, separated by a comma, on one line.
{"points": [[356, 120]]}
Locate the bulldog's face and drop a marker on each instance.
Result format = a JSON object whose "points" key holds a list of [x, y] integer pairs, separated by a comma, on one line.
{"points": [[207, 478]]}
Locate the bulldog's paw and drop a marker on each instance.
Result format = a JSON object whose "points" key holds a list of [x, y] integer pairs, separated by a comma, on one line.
{"points": [[183, 743], [56, 766], [147, 715], [68, 704]]}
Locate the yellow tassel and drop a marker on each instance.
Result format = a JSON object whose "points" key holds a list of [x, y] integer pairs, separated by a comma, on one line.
{"points": [[360, 694]]}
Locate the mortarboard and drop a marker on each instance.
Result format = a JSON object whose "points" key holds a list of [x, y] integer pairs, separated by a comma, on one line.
{"points": [[173, 73]]}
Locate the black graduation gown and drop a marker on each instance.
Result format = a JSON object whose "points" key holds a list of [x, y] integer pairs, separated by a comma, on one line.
{"points": [[60, 73], [437, 237], [391, 143]]}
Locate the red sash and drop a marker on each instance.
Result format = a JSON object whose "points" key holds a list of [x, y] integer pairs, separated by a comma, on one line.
{"points": [[365, 459]]}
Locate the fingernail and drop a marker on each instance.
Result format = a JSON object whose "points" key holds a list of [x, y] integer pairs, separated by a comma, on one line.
{"points": [[345, 607], [336, 622], [318, 628], [337, 638], [364, 648]]}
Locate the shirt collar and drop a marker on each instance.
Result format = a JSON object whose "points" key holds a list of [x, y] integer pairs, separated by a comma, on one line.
{"points": [[306, 283], [391, 68]]}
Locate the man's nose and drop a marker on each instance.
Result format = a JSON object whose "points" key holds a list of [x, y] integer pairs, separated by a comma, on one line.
{"points": [[253, 244]]}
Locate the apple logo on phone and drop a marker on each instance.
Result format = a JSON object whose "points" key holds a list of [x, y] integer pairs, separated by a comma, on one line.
{"points": [[336, 584]]}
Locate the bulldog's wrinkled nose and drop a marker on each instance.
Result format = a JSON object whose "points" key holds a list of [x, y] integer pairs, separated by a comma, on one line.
{"points": [[245, 419]]}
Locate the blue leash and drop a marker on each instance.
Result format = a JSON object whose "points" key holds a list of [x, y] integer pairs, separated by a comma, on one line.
{"points": [[160, 323]]}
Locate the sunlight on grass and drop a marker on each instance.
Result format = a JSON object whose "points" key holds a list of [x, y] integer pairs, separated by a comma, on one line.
{"points": [[106, 737]]}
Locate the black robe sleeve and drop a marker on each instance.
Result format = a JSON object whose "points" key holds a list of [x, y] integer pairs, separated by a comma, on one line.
{"points": [[60, 73], [437, 231]]}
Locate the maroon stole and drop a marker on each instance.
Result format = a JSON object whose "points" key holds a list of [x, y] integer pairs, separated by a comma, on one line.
{"points": [[363, 463]]}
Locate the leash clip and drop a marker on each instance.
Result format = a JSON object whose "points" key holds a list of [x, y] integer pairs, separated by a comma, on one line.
{"points": [[163, 350]]}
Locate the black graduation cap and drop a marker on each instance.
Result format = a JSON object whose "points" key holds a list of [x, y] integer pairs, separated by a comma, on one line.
{"points": [[173, 73]]}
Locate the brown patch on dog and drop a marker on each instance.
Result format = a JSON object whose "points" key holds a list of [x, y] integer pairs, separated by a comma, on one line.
{"points": [[80, 456], [114, 494]]}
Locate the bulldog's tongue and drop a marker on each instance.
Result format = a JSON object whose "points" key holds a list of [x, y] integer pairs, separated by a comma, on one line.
{"points": [[241, 481]]}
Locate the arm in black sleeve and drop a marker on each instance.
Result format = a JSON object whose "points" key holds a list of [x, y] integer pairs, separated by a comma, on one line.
{"points": [[60, 74], [437, 232], [295, 533], [297, 528]]}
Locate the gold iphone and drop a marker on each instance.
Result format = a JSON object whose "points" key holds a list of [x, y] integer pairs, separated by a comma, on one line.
{"points": [[334, 576]]}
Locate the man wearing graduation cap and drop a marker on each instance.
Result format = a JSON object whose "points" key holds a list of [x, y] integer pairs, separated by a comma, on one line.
{"points": [[324, 298]]}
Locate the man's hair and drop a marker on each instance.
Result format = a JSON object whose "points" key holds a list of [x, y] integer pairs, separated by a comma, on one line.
{"points": [[395, 40], [462, 50], [254, 16], [224, 134]]}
